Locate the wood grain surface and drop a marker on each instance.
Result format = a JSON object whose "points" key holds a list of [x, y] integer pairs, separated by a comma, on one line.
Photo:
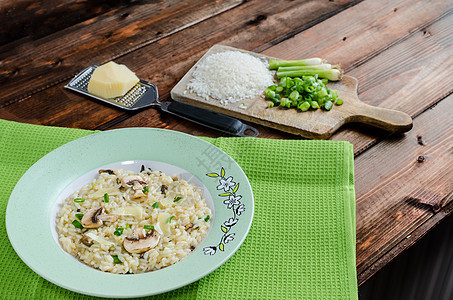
{"points": [[400, 52], [59, 56], [30, 20], [401, 185]]}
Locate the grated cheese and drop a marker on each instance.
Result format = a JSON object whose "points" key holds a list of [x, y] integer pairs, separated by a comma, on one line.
{"points": [[230, 76]]}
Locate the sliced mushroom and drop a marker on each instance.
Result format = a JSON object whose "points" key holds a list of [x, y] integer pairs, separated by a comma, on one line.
{"points": [[108, 218], [138, 194], [94, 217], [141, 243], [110, 172], [134, 181]]}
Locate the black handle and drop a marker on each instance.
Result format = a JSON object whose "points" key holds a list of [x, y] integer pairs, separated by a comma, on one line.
{"points": [[208, 118]]}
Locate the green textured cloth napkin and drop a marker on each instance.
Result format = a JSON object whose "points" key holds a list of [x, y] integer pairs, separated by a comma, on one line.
{"points": [[301, 244]]}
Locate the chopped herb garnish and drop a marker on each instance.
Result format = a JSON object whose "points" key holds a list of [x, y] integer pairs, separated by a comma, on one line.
{"points": [[77, 224], [116, 260], [106, 198], [169, 219], [207, 218], [128, 225], [93, 186], [118, 231], [151, 227], [145, 190], [79, 200], [156, 204], [79, 216], [177, 199]]}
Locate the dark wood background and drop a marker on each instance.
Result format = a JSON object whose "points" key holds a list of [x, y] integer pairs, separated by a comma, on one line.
{"points": [[401, 52]]}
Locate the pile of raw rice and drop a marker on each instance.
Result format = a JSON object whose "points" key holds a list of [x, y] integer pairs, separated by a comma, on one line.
{"points": [[182, 224], [230, 76]]}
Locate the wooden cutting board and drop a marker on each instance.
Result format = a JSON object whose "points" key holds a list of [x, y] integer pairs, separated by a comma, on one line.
{"points": [[318, 124]]}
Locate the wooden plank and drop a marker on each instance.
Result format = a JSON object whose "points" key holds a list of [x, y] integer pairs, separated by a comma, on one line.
{"points": [[38, 64], [31, 20], [411, 77], [248, 25], [399, 188], [409, 241], [355, 35]]}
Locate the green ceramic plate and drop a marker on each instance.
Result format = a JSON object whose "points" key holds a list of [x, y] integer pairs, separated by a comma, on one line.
{"points": [[32, 207]]}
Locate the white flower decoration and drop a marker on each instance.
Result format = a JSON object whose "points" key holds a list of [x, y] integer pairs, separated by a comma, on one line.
{"points": [[229, 238], [226, 184], [232, 201], [209, 250], [231, 222], [240, 209]]}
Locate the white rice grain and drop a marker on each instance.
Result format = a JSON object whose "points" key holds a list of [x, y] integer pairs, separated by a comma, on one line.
{"points": [[230, 76]]}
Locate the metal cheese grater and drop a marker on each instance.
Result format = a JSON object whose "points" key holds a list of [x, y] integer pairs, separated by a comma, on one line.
{"points": [[143, 94]]}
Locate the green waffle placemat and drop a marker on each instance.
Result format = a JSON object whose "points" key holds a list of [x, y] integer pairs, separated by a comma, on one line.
{"points": [[301, 244]]}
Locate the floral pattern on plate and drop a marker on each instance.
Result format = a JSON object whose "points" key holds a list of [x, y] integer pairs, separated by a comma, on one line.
{"points": [[232, 200]]}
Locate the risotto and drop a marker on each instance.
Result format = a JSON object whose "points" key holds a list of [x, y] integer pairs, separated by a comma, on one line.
{"points": [[124, 222]]}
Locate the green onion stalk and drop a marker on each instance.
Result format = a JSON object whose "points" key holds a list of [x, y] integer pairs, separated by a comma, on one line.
{"points": [[306, 67], [275, 64], [332, 74], [311, 67]]}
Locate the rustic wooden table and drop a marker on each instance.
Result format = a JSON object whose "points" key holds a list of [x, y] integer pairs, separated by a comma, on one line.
{"points": [[400, 51]]}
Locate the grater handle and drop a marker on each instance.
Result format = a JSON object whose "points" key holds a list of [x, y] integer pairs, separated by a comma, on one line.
{"points": [[209, 118]]}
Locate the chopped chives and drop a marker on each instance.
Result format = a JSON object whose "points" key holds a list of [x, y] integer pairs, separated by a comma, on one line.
{"points": [[128, 225], [145, 190], [177, 199], [156, 204], [207, 218], [304, 93], [169, 219], [118, 231], [79, 216], [116, 260], [79, 200], [77, 224], [106, 198], [151, 227], [328, 105]]}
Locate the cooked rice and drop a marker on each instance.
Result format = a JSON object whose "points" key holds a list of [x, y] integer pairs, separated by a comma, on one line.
{"points": [[181, 240]]}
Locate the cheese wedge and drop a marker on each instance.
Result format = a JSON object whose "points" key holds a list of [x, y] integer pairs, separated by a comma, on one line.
{"points": [[111, 80], [163, 223]]}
